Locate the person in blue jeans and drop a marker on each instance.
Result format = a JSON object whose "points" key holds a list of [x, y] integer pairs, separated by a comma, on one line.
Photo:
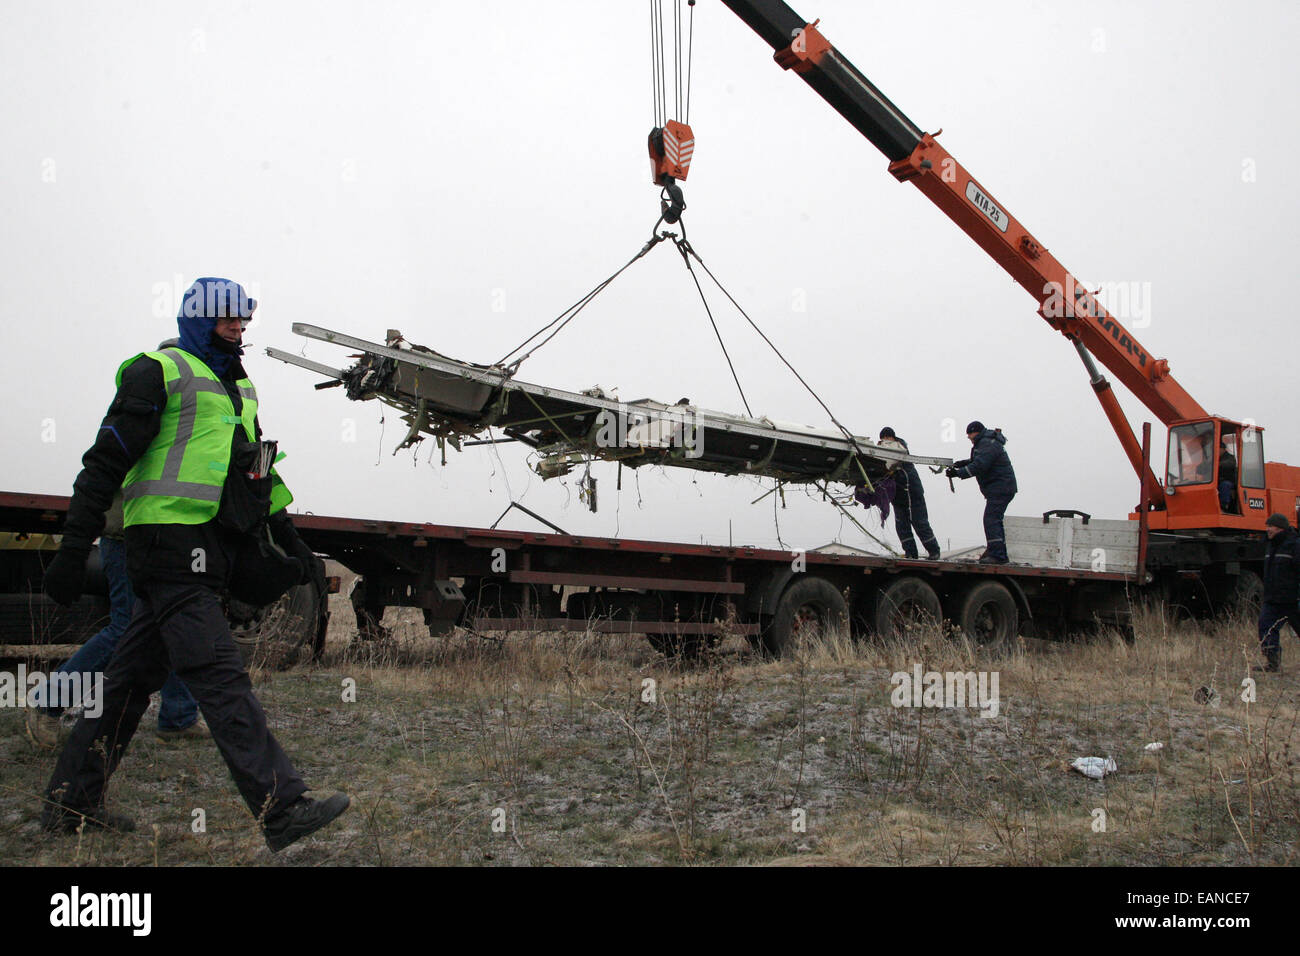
{"points": [[179, 713]]}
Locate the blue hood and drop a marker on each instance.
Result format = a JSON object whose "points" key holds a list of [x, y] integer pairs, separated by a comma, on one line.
{"points": [[207, 300]]}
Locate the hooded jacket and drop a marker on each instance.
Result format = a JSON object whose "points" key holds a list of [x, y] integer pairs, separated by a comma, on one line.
{"points": [[990, 465], [162, 551], [207, 300]]}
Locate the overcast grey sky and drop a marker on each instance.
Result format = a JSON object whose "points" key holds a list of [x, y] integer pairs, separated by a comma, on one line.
{"points": [[463, 172]]}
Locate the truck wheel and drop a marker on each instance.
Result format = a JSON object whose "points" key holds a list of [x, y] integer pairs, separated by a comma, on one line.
{"points": [[904, 604], [281, 634], [988, 614], [809, 608]]}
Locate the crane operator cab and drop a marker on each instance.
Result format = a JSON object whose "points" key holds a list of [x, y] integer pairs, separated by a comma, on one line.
{"points": [[1216, 468]]}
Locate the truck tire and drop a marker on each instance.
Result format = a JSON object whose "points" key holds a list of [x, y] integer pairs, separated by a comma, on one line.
{"points": [[903, 604], [988, 614], [281, 634], [809, 607]]}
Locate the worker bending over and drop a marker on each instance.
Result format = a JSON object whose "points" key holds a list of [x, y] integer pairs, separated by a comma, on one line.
{"points": [[909, 502]]}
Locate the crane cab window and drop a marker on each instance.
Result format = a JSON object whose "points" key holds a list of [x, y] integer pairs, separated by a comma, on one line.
{"points": [[1191, 455], [1252, 459]]}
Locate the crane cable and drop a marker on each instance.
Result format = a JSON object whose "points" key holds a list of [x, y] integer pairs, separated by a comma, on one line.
{"points": [[681, 79], [687, 252], [572, 311], [681, 103], [684, 248], [690, 250]]}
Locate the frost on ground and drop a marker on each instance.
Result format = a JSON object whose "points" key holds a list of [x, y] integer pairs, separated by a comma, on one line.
{"points": [[579, 749]]}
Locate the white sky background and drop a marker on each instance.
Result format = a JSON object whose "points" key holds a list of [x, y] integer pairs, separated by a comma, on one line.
{"points": [[411, 165]]}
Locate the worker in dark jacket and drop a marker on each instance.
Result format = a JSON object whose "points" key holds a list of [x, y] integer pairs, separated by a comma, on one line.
{"points": [[909, 502], [1281, 589], [182, 442], [1227, 478], [990, 466]]}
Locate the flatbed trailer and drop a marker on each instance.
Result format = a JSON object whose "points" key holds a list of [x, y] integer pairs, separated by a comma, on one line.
{"points": [[685, 596]]}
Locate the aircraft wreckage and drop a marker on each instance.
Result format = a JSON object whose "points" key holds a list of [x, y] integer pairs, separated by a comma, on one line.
{"points": [[454, 401]]}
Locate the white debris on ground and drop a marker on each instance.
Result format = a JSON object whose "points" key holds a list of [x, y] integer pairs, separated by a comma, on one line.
{"points": [[1154, 746], [1095, 767]]}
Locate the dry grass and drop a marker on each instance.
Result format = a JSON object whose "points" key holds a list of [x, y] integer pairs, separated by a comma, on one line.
{"points": [[553, 749]]}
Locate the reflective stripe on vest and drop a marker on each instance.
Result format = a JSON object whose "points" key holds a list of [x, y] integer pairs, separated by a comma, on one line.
{"points": [[169, 485]]}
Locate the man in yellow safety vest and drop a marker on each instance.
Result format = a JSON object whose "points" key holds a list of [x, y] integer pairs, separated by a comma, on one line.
{"points": [[204, 516]]}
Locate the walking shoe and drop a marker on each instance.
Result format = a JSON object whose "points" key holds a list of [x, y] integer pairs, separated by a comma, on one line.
{"points": [[60, 819], [194, 730], [304, 817], [933, 555], [989, 559], [42, 729], [1273, 666]]}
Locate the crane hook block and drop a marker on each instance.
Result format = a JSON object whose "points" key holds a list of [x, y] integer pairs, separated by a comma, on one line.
{"points": [[671, 147]]}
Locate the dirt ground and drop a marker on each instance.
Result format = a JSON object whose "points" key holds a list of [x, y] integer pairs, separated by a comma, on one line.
{"points": [[590, 749]]}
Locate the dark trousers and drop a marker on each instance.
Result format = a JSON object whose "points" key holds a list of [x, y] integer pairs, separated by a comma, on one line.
{"points": [[1227, 495], [178, 710], [1271, 619], [176, 627], [994, 510], [910, 512]]}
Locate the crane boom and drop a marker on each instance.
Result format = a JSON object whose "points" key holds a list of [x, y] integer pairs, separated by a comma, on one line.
{"points": [[918, 157], [1216, 478]]}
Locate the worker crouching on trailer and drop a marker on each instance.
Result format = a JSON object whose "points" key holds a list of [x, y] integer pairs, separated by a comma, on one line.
{"points": [[909, 502], [182, 441], [1281, 589], [990, 466]]}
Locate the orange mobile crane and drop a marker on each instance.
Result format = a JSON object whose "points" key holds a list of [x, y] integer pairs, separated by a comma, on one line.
{"points": [[1188, 500]]}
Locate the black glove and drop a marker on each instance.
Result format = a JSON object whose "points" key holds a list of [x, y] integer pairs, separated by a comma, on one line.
{"points": [[307, 558], [66, 576]]}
